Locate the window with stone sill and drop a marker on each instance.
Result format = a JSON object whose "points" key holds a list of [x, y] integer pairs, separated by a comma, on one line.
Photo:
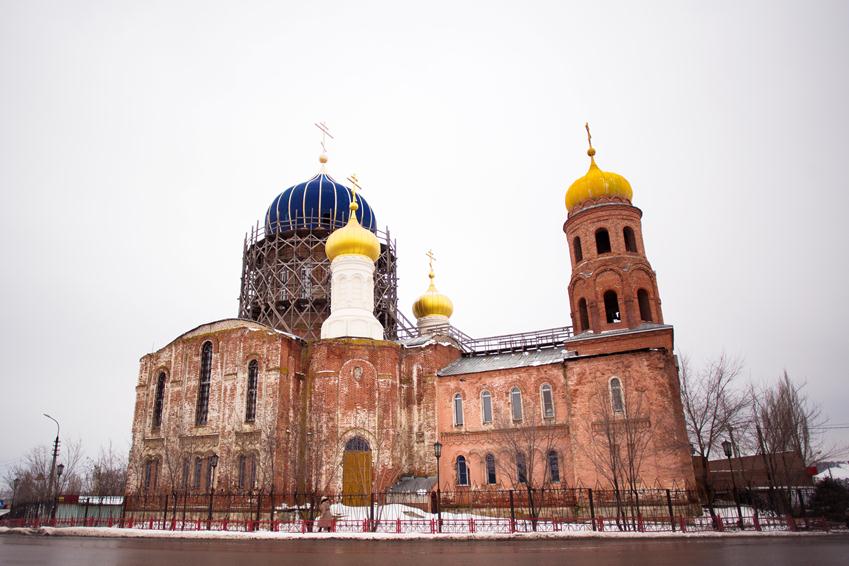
{"points": [[516, 405], [250, 396], [617, 400], [547, 402], [553, 467], [462, 471], [486, 407], [458, 410], [159, 400], [202, 407], [490, 469]]}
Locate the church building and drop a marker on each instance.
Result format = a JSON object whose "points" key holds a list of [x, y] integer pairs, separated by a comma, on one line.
{"points": [[321, 383]]}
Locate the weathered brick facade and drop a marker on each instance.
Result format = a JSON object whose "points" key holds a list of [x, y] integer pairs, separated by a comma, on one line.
{"points": [[602, 407]]}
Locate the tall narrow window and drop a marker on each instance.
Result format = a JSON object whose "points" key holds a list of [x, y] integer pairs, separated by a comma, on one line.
{"points": [[584, 315], [198, 475], [490, 469], [645, 307], [602, 241], [486, 407], [630, 240], [516, 404], [579, 253], [616, 399], [462, 471], [521, 468], [553, 467], [202, 409], [187, 474], [458, 410], [250, 406], [151, 471], [158, 400], [547, 401], [247, 472], [209, 470], [611, 307]]}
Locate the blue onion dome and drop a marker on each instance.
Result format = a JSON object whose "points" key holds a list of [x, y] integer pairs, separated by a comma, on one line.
{"points": [[321, 202]]}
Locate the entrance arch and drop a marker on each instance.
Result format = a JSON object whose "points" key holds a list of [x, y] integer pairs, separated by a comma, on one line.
{"points": [[356, 472]]}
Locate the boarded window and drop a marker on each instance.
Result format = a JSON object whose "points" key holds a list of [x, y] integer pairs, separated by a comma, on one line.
{"points": [[645, 306], [151, 474], [486, 407], [250, 402], [198, 473], [202, 409], [602, 241], [611, 307], [247, 472], [576, 246]]}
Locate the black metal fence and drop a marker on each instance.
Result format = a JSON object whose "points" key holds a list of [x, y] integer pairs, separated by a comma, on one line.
{"points": [[461, 511]]}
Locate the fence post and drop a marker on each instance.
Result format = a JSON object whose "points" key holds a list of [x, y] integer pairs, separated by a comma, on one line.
{"points": [[512, 513], [371, 510], [669, 507], [757, 521], [165, 512], [592, 507], [123, 510]]}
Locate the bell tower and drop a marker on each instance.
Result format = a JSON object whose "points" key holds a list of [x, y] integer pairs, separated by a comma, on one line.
{"points": [[613, 286]]}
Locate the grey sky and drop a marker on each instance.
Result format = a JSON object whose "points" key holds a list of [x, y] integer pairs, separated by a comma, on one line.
{"points": [[140, 140]]}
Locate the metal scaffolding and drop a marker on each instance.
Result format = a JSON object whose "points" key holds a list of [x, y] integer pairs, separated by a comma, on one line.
{"points": [[286, 278]]}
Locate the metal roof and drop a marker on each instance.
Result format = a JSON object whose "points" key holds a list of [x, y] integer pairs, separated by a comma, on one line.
{"points": [[412, 484], [476, 364]]}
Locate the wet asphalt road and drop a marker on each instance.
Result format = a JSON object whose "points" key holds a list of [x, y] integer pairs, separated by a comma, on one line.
{"points": [[71, 551]]}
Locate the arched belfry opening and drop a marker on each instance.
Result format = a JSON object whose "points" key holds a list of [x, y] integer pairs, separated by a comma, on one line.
{"points": [[356, 472]]}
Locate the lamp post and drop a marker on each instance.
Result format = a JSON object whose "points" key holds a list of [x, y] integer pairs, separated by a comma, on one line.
{"points": [[52, 484], [727, 447], [213, 463], [437, 451]]}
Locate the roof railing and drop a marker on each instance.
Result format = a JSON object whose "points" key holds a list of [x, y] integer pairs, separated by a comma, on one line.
{"points": [[518, 342]]}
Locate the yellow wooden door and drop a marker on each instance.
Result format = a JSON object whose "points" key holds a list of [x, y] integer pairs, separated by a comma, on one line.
{"points": [[356, 477]]}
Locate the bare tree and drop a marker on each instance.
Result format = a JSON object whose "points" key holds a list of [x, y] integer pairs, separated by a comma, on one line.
{"points": [[712, 408], [106, 474], [620, 431]]}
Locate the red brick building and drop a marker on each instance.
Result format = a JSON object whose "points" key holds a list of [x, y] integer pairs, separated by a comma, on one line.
{"points": [[275, 399]]}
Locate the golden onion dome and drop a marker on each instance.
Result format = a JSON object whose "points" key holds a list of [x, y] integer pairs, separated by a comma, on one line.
{"points": [[597, 183], [352, 239], [433, 302]]}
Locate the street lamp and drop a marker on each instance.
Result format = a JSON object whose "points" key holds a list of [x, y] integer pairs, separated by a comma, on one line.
{"points": [[15, 484], [437, 451], [53, 464], [213, 463], [727, 447]]}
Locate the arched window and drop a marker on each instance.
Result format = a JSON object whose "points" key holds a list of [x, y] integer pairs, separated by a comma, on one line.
{"points": [[202, 409], [645, 307], [151, 474], [617, 402], [462, 471], [490, 469], [630, 240], [250, 404], [357, 444], [521, 468], [602, 241], [611, 307], [247, 472], [584, 315], [458, 410], [553, 467], [579, 253], [547, 401], [516, 404], [198, 473], [158, 400], [486, 407]]}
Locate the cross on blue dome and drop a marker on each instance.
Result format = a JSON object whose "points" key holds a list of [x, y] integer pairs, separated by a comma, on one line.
{"points": [[321, 202]]}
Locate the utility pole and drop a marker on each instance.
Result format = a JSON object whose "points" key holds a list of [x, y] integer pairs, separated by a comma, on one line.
{"points": [[52, 483]]}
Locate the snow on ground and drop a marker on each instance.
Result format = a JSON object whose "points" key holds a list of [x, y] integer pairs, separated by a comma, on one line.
{"points": [[838, 472], [106, 532]]}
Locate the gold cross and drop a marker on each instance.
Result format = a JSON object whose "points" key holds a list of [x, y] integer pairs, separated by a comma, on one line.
{"points": [[589, 136], [430, 258], [325, 132]]}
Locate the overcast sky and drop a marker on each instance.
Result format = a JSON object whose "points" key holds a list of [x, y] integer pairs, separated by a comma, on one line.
{"points": [[139, 141]]}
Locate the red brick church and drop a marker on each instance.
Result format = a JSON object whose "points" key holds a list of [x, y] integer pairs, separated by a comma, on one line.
{"points": [[321, 383]]}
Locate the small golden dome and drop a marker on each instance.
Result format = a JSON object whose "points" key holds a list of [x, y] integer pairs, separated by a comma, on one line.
{"points": [[597, 183], [433, 302], [352, 239]]}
